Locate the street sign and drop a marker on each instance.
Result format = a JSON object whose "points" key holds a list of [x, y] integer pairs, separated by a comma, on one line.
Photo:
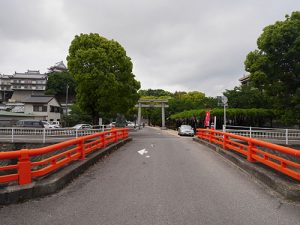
{"points": [[224, 100]]}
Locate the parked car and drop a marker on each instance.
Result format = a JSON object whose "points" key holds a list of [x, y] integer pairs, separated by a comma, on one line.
{"points": [[48, 125], [186, 130], [30, 123], [130, 124], [82, 126], [55, 123], [112, 124]]}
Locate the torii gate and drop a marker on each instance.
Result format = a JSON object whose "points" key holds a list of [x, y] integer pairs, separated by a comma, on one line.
{"points": [[147, 103]]}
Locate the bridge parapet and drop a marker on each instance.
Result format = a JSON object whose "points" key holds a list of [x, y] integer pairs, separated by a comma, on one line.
{"points": [[35, 163], [283, 159]]}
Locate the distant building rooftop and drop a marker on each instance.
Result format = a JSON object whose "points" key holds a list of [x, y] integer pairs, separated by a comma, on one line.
{"points": [[38, 99], [58, 67], [245, 79], [35, 74]]}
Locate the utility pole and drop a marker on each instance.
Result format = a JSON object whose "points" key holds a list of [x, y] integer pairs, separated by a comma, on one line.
{"points": [[67, 104], [224, 101]]}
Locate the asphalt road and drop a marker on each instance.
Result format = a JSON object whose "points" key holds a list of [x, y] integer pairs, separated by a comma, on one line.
{"points": [[175, 181]]}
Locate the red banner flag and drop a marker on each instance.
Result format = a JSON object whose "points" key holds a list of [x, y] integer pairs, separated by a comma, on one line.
{"points": [[207, 119]]}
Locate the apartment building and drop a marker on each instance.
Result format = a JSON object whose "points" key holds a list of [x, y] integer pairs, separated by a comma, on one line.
{"points": [[18, 86], [5, 87]]}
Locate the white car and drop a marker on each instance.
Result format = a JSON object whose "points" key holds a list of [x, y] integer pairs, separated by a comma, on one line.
{"points": [[130, 124], [112, 124], [48, 125], [56, 124], [82, 126], [186, 130]]}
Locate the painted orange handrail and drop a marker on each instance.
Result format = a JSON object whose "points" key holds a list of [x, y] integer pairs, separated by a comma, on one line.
{"points": [[249, 147], [77, 149]]}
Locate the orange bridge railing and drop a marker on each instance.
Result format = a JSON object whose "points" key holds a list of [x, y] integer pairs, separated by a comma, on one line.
{"points": [[283, 159], [27, 164]]}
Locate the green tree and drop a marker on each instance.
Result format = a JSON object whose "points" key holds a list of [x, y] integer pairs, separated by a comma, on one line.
{"points": [[57, 85], [103, 74], [275, 66], [247, 97], [77, 116]]}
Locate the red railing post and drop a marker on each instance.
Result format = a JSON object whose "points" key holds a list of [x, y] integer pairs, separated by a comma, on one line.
{"points": [[225, 141], [24, 167], [81, 149], [202, 134], [250, 151], [115, 135], [102, 139], [213, 137], [209, 136]]}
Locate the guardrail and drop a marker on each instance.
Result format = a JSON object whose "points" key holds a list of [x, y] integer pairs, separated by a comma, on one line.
{"points": [[14, 133], [35, 163], [281, 135], [271, 155]]}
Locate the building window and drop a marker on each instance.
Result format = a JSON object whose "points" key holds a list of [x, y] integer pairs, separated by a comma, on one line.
{"points": [[54, 109], [36, 108], [39, 108]]}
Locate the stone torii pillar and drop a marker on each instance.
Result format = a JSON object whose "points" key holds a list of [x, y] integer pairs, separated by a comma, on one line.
{"points": [[139, 114]]}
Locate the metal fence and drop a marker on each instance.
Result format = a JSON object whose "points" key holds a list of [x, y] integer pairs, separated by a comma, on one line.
{"points": [[14, 134], [286, 136]]}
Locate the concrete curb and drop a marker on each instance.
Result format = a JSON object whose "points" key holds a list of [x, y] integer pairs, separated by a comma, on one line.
{"points": [[280, 183], [57, 180]]}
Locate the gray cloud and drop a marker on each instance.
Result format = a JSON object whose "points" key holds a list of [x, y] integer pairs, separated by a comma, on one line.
{"points": [[174, 45]]}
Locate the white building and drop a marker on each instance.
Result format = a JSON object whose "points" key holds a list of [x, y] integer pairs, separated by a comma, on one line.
{"points": [[22, 85], [47, 107], [32, 80]]}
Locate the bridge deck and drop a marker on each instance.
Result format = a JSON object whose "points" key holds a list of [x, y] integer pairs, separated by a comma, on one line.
{"points": [[158, 178]]}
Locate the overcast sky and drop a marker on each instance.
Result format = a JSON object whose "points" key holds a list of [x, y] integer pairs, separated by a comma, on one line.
{"points": [[181, 45]]}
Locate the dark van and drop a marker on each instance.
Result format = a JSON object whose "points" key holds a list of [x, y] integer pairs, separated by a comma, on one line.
{"points": [[30, 123]]}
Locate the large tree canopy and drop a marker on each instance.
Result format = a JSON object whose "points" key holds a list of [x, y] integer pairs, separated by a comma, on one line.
{"points": [[103, 74], [275, 66], [247, 97]]}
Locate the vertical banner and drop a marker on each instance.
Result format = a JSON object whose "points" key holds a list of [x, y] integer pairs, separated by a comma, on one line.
{"points": [[207, 119]]}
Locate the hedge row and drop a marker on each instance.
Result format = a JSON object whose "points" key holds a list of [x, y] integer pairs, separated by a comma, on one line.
{"points": [[231, 113]]}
